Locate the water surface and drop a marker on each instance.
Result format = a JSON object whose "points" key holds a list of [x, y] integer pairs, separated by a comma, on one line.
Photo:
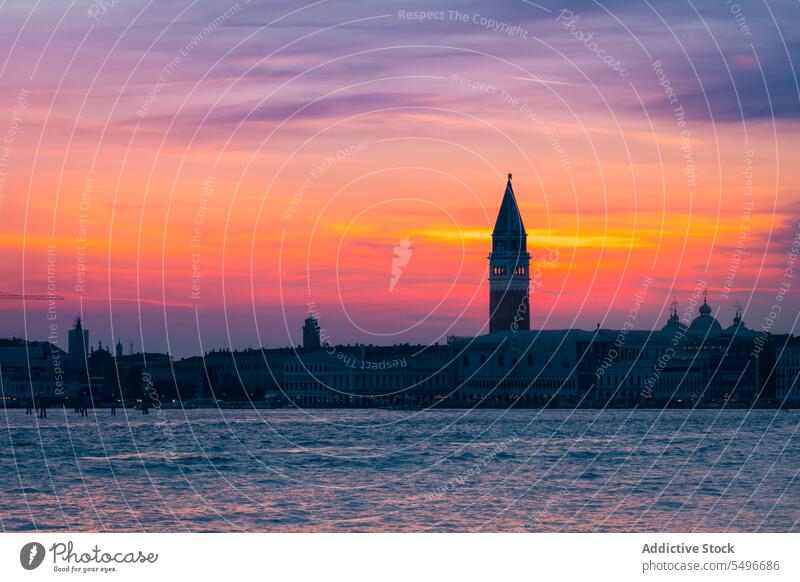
{"points": [[376, 470]]}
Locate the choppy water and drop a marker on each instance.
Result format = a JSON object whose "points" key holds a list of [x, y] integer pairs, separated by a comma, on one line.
{"points": [[359, 470]]}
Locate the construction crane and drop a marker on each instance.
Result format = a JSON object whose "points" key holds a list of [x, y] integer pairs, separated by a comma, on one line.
{"points": [[32, 297]]}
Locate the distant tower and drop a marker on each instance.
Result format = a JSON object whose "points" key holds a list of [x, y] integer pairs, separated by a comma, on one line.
{"points": [[118, 348], [78, 345], [311, 334], [509, 269], [673, 312]]}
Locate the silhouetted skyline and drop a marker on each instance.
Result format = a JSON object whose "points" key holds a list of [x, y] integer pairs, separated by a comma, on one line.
{"points": [[206, 192]]}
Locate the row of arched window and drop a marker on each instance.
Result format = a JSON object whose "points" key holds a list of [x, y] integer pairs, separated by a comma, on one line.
{"points": [[313, 368], [501, 270], [501, 361], [366, 381], [523, 383]]}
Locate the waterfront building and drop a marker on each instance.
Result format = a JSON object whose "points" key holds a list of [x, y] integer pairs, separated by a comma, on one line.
{"points": [[787, 372], [20, 353], [30, 369], [364, 375]]}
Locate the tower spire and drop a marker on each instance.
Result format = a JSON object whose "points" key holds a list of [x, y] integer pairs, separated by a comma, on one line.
{"points": [[705, 308], [673, 311], [509, 219]]}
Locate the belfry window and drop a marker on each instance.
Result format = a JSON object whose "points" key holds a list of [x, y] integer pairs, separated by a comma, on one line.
{"points": [[499, 270], [519, 270]]}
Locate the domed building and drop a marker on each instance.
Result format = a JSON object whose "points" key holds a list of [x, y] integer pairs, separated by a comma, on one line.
{"points": [[674, 322], [705, 324], [739, 329]]}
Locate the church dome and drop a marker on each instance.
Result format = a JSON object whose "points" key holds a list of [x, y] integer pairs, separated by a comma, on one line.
{"points": [[737, 321], [705, 323], [739, 329], [674, 322]]}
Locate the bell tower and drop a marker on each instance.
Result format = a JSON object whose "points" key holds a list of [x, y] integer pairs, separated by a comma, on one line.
{"points": [[311, 334], [509, 269]]}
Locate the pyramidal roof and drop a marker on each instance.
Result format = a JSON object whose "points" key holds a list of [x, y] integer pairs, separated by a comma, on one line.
{"points": [[509, 220]]}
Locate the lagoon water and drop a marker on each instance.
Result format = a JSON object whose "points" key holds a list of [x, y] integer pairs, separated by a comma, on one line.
{"points": [[378, 470]]}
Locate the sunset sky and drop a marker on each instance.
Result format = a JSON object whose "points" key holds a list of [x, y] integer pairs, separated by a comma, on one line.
{"points": [[218, 167]]}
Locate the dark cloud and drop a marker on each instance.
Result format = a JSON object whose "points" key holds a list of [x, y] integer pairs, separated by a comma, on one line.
{"points": [[724, 66]]}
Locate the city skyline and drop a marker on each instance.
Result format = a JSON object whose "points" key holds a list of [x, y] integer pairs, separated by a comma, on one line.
{"points": [[210, 190], [692, 360]]}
